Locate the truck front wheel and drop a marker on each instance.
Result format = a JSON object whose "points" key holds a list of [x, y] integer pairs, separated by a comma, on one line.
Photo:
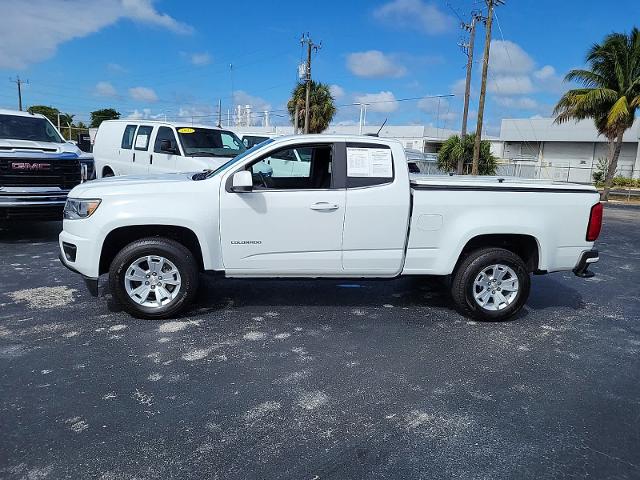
{"points": [[154, 278], [491, 284]]}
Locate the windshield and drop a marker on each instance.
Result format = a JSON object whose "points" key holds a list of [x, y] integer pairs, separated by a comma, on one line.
{"points": [[207, 142], [14, 127], [238, 158]]}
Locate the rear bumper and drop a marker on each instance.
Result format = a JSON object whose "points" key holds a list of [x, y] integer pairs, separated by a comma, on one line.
{"points": [[586, 258]]}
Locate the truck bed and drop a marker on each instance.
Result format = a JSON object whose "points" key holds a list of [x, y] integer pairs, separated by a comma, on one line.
{"points": [[507, 184]]}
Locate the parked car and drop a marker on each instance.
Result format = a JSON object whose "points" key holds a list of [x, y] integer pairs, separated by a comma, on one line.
{"points": [[38, 167], [355, 214], [140, 147], [251, 139]]}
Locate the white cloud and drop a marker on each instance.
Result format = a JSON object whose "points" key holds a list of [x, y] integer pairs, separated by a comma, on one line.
{"points": [[336, 91], [116, 68], [378, 102], [523, 103], [545, 72], [143, 11], [200, 59], [258, 104], [105, 89], [510, 85], [145, 114], [433, 105], [509, 57], [438, 107], [374, 63], [143, 94], [31, 31], [416, 15]]}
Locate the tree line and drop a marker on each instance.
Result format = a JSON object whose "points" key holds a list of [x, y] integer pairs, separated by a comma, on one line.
{"points": [[68, 127]]}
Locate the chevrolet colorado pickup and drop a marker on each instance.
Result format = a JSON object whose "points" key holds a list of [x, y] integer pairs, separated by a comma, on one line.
{"points": [[37, 167], [353, 211]]}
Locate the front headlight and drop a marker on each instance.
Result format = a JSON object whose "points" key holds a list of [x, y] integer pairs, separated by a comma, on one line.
{"points": [[76, 208]]}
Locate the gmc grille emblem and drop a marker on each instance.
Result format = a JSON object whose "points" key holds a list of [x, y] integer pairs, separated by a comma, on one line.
{"points": [[30, 166]]}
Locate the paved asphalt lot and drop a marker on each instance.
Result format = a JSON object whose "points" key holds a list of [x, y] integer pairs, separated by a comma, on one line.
{"points": [[319, 380]]}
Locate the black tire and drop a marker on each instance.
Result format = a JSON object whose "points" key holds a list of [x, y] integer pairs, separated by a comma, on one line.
{"points": [[178, 254], [107, 172], [462, 285]]}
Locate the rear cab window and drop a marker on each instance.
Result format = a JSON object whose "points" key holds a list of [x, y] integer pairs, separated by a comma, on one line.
{"points": [[142, 137], [128, 136], [368, 164]]}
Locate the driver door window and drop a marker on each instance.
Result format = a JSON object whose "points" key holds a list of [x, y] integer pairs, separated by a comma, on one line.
{"points": [[294, 168], [291, 222], [164, 160]]}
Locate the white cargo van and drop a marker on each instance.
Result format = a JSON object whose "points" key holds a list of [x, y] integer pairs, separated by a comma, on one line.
{"points": [[140, 147]]}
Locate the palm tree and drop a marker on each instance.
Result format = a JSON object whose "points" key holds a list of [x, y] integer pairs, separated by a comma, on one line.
{"points": [[454, 148], [322, 108], [610, 93]]}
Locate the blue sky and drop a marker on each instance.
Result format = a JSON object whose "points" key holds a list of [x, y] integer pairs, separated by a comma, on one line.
{"points": [[154, 58]]}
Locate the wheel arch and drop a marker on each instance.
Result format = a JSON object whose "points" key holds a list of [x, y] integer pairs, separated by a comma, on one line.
{"points": [[525, 246], [118, 238]]}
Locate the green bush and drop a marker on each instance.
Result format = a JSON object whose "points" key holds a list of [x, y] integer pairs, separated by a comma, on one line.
{"points": [[620, 181]]}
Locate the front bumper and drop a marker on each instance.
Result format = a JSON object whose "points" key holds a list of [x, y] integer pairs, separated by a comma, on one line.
{"points": [[586, 258], [32, 203], [90, 282], [79, 253]]}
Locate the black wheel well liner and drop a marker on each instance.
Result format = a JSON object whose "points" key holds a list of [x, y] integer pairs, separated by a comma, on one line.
{"points": [[120, 237], [525, 246]]}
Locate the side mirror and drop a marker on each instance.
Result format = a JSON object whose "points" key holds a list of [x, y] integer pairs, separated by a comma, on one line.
{"points": [[245, 142], [165, 146], [242, 181]]}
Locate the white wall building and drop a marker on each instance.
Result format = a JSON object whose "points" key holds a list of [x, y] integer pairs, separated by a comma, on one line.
{"points": [[418, 137], [573, 148]]}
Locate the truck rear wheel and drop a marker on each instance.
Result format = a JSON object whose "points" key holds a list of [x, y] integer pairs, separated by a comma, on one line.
{"points": [[491, 284], [154, 278]]}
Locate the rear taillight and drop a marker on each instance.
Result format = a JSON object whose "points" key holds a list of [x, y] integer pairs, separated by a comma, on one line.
{"points": [[595, 222]]}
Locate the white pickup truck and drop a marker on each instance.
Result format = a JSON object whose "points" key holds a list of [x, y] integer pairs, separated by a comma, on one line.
{"points": [[353, 213]]}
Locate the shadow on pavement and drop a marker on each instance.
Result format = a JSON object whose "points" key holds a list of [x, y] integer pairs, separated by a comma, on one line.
{"points": [[21, 231]]}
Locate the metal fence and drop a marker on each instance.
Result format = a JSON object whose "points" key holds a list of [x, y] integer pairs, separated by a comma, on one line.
{"points": [[571, 174]]}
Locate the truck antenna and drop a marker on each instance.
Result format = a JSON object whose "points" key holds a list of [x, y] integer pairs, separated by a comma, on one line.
{"points": [[379, 130]]}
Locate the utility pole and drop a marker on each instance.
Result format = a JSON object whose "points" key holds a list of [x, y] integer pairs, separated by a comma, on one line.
{"points": [[468, 49], [310, 46], [483, 87], [296, 115], [18, 81], [219, 112]]}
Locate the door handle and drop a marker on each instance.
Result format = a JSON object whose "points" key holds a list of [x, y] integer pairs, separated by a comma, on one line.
{"points": [[151, 159], [326, 206]]}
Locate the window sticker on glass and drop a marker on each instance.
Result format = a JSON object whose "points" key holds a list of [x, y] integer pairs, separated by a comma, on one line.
{"points": [[369, 162], [186, 130], [142, 141]]}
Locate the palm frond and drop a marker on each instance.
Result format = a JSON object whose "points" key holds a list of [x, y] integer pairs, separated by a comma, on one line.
{"points": [[619, 113], [587, 78]]}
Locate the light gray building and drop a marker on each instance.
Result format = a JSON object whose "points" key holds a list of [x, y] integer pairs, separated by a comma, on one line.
{"points": [[417, 137], [571, 149]]}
